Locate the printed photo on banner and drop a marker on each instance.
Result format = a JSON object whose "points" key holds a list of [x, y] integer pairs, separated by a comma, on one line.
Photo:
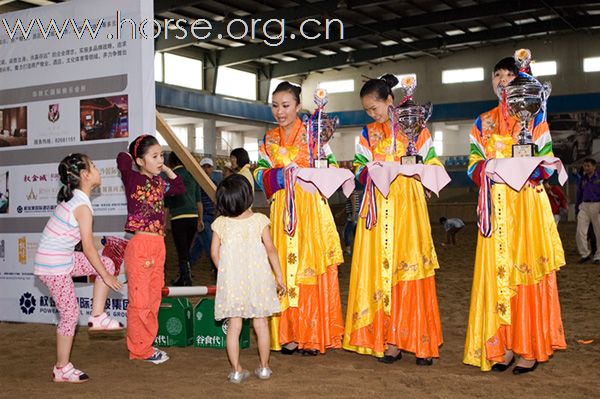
{"points": [[14, 126], [4, 195], [574, 134], [104, 118]]}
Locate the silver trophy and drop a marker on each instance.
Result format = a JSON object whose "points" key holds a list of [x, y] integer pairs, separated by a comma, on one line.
{"points": [[410, 119], [524, 98], [320, 127]]}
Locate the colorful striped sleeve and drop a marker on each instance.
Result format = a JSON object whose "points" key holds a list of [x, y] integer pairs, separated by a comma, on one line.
{"points": [[269, 179], [426, 149], [476, 152], [541, 136], [543, 145], [363, 156]]}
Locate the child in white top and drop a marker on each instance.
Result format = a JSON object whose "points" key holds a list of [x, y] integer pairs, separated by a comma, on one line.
{"points": [[56, 261], [247, 285]]}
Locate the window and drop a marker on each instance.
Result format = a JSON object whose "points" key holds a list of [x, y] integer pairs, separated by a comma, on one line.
{"points": [[183, 71], [181, 132], [226, 139], [543, 68], [158, 67], [338, 86], [199, 133], [462, 75], [160, 139], [438, 142], [236, 83], [251, 145], [272, 86], [591, 64]]}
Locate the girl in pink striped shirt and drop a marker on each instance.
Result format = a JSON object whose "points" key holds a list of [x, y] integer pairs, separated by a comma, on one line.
{"points": [[56, 260]]}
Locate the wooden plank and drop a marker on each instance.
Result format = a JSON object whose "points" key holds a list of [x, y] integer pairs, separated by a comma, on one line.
{"points": [[188, 160]]}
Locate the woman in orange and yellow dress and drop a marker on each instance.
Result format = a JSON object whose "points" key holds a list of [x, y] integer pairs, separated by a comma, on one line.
{"points": [[311, 314], [392, 303], [515, 310]]}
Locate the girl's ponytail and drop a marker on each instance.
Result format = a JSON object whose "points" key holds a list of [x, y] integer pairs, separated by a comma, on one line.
{"points": [[69, 170]]}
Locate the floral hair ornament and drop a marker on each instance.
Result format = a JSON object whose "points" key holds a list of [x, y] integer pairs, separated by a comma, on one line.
{"points": [[319, 128], [523, 59], [409, 85]]}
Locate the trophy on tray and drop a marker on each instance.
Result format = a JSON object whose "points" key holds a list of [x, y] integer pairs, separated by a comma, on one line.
{"points": [[409, 118], [524, 98], [319, 128]]}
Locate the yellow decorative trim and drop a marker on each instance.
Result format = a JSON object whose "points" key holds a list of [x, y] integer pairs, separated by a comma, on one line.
{"points": [[500, 237]]}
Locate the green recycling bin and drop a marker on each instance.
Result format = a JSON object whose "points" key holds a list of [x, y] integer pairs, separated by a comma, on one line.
{"points": [[175, 327], [209, 333]]}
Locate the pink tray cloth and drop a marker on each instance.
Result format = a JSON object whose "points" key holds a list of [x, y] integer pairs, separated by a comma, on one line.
{"points": [[433, 177], [516, 171], [326, 180]]}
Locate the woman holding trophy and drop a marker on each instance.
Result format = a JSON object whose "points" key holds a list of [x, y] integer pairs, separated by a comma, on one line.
{"points": [[515, 310], [303, 231], [392, 304]]}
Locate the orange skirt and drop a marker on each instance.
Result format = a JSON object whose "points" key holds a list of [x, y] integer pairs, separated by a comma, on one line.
{"points": [[413, 325], [317, 322], [536, 329]]}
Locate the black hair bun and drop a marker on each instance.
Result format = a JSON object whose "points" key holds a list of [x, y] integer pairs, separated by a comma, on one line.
{"points": [[390, 80]]}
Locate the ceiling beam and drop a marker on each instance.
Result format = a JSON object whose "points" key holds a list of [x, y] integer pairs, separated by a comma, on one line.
{"points": [[250, 52], [284, 14], [285, 69], [161, 6]]}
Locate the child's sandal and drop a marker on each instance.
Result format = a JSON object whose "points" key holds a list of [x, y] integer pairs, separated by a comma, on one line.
{"points": [[68, 373], [103, 323]]}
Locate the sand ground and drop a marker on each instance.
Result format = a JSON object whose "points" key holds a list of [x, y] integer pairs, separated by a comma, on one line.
{"points": [[28, 352]]}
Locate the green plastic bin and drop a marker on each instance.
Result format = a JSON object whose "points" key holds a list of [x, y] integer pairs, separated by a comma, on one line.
{"points": [[175, 327], [209, 333]]}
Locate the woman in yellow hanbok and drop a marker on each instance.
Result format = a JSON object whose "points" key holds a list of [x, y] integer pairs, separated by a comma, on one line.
{"points": [[515, 308], [311, 314], [392, 303]]}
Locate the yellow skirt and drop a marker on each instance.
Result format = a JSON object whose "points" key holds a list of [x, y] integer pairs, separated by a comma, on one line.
{"points": [[514, 298], [392, 298], [311, 312]]}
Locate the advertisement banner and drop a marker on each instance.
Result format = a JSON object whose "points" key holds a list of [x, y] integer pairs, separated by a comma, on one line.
{"points": [[74, 77]]}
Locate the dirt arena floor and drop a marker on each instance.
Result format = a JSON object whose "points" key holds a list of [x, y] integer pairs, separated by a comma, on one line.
{"points": [[28, 352]]}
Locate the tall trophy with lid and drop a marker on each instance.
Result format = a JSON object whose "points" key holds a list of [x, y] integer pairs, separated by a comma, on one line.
{"points": [[524, 98], [409, 119], [320, 127]]}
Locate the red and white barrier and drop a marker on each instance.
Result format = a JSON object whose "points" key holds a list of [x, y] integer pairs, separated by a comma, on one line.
{"points": [[199, 290]]}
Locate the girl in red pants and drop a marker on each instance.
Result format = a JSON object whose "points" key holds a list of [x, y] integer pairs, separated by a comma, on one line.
{"points": [[145, 253]]}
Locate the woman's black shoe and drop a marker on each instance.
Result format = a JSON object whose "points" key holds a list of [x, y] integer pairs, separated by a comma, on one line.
{"points": [[388, 359], [522, 370], [286, 351], [499, 367], [309, 352], [424, 361]]}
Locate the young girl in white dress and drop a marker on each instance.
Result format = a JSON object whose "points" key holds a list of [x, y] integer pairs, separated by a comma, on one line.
{"points": [[247, 285]]}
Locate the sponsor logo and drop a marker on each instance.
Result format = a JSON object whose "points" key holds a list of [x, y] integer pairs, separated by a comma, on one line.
{"points": [[27, 303], [53, 113], [225, 326]]}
